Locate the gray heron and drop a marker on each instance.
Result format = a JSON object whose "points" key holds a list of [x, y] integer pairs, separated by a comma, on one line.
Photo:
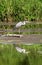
{"points": [[19, 24]]}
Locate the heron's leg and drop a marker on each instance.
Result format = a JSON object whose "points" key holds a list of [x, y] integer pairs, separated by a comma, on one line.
{"points": [[19, 30]]}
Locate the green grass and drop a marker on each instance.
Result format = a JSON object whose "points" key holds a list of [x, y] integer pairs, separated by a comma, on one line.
{"points": [[19, 10], [9, 55]]}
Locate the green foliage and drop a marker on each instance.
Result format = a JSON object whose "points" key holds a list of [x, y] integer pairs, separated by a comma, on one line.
{"points": [[16, 10]]}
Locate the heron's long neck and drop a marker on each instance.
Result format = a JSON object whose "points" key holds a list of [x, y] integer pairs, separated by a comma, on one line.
{"points": [[24, 23]]}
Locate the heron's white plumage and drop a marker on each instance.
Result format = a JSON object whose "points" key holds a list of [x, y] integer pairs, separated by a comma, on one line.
{"points": [[19, 24]]}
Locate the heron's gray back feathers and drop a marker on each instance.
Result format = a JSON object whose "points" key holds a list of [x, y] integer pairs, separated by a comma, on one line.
{"points": [[19, 24]]}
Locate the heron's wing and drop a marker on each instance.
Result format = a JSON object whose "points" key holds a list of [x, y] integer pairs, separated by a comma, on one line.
{"points": [[19, 24]]}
